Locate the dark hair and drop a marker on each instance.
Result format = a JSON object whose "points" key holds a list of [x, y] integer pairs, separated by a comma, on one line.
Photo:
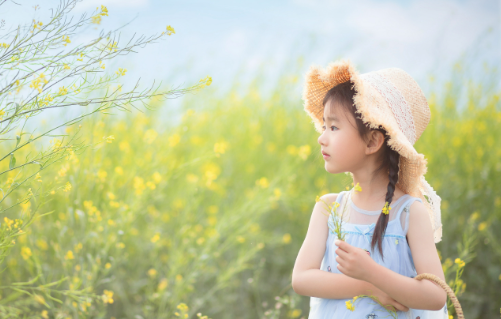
{"points": [[343, 93]]}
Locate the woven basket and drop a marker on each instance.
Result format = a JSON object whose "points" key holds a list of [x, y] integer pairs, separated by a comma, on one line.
{"points": [[447, 289]]}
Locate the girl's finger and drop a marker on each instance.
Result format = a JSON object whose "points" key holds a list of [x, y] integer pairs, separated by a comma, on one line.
{"points": [[341, 253], [340, 268], [340, 260]]}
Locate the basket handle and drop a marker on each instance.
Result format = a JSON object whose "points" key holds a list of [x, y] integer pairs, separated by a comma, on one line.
{"points": [[448, 290]]}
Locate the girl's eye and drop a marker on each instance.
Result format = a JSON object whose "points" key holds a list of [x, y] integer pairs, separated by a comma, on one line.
{"points": [[323, 127]]}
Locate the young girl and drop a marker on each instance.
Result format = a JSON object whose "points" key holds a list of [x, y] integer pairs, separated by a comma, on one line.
{"points": [[368, 125]]}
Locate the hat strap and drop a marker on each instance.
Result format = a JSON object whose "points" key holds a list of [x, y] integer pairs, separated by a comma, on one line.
{"points": [[396, 101]]}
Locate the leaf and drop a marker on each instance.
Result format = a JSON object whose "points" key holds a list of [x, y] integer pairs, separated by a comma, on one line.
{"points": [[18, 138], [12, 162]]}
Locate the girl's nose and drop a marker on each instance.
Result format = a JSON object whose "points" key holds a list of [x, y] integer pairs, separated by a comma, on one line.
{"points": [[321, 139]]}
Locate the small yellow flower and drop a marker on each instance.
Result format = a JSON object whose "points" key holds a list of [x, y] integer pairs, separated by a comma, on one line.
{"points": [[39, 298], [63, 90], [155, 238], [358, 188], [104, 11], [163, 284], [386, 208], [349, 305], [121, 72], [460, 262], [482, 226], [263, 182], [152, 272], [107, 296], [66, 39], [110, 139], [170, 30], [66, 66], [67, 187], [25, 252], [207, 80], [241, 239], [286, 238], [69, 255]]}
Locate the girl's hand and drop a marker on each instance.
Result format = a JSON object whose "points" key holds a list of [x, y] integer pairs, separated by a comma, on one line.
{"points": [[387, 301], [353, 261]]}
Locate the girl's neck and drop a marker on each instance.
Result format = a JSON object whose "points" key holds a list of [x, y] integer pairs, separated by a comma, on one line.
{"points": [[373, 198]]}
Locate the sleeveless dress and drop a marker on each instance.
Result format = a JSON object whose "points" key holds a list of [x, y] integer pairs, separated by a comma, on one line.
{"points": [[359, 227]]}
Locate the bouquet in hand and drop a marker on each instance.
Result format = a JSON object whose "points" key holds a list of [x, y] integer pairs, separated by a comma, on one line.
{"points": [[336, 226]]}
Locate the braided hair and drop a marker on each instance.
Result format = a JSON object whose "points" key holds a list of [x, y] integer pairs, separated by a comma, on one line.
{"points": [[343, 93]]}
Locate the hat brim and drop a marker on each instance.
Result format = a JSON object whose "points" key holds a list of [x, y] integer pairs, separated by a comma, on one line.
{"points": [[413, 165]]}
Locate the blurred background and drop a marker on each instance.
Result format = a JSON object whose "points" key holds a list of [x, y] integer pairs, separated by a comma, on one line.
{"points": [[206, 199]]}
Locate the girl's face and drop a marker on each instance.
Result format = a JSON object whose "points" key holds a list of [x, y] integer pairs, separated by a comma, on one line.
{"points": [[340, 140]]}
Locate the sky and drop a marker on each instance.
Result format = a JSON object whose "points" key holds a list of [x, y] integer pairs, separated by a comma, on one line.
{"points": [[231, 41]]}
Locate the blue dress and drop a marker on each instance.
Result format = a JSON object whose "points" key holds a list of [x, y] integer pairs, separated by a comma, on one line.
{"points": [[397, 257]]}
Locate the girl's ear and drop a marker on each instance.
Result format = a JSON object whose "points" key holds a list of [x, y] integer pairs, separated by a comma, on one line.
{"points": [[375, 141]]}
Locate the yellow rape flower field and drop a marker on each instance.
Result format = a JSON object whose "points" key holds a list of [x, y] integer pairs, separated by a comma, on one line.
{"points": [[203, 218]]}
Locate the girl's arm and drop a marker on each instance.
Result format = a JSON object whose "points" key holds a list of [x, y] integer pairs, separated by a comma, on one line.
{"points": [[417, 294], [307, 278], [322, 284]]}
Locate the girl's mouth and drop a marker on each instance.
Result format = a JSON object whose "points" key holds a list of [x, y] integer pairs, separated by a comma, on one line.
{"points": [[325, 155]]}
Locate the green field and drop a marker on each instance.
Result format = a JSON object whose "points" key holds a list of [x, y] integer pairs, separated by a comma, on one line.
{"points": [[211, 212]]}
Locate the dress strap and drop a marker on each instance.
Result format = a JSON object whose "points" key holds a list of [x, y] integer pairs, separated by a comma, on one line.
{"points": [[339, 200], [406, 207]]}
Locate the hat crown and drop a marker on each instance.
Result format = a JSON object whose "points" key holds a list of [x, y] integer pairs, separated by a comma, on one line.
{"points": [[403, 96]]}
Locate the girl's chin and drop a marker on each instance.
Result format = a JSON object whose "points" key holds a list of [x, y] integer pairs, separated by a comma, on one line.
{"points": [[330, 169]]}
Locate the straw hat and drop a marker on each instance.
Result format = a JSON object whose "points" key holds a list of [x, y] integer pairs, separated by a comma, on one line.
{"points": [[390, 98]]}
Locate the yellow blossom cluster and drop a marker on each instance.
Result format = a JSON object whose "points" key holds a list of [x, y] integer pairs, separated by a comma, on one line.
{"points": [[26, 253], [155, 238], [302, 151], [386, 208], [263, 182], [67, 187], [44, 102], [36, 25], [38, 82], [460, 262], [107, 296], [358, 188], [205, 81], [92, 210], [66, 40], [121, 72], [170, 30], [109, 139], [220, 148], [69, 255], [4, 45], [350, 304], [19, 86], [183, 308], [96, 19], [112, 46], [63, 90], [9, 223]]}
